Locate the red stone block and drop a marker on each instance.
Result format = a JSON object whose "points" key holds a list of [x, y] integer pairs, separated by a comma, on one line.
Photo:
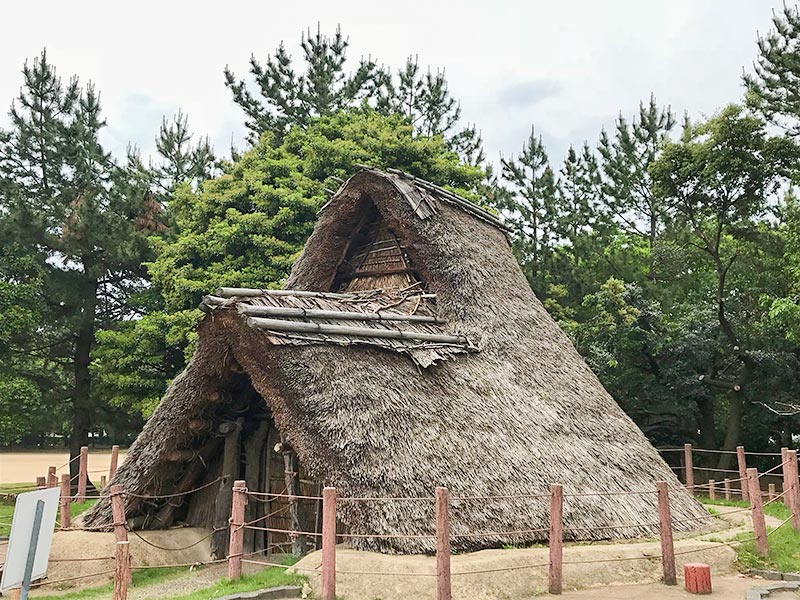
{"points": [[697, 578]]}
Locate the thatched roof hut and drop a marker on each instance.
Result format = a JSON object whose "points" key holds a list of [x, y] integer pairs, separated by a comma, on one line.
{"points": [[407, 350]]}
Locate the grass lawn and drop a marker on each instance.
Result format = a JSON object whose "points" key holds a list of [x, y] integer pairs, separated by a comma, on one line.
{"points": [[140, 578], [7, 505], [784, 544]]}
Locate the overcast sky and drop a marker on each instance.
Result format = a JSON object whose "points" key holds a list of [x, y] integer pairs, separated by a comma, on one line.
{"points": [[568, 66]]}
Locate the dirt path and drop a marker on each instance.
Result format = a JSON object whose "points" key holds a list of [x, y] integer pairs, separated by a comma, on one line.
{"points": [[25, 466], [726, 587]]}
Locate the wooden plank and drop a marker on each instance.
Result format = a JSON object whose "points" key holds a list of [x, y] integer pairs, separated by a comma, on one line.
{"points": [[253, 447]]}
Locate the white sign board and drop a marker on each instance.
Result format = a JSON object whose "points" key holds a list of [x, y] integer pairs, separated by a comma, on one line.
{"points": [[20, 540]]}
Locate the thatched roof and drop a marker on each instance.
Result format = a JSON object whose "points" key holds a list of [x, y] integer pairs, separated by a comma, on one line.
{"points": [[520, 413]]}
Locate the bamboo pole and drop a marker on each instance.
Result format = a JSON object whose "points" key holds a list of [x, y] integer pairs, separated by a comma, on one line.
{"points": [[329, 543], [112, 468], [66, 500], [689, 470], [443, 583], [235, 546], [556, 540], [83, 474], [665, 530], [757, 512], [742, 460]]}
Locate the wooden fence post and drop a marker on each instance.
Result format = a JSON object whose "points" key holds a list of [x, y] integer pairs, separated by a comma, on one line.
{"points": [[794, 489], [122, 570], [757, 512], [236, 542], [771, 492], [727, 489], [41, 483], [785, 472], [689, 469], [103, 482], [66, 500], [83, 474], [112, 468], [443, 586], [665, 529], [329, 543], [742, 460], [712, 489], [52, 479], [556, 541]]}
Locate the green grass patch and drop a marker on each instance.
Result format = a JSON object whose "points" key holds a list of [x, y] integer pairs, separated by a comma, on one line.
{"points": [[784, 544], [141, 578], [7, 506]]}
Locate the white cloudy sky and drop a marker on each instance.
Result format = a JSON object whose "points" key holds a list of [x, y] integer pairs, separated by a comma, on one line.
{"points": [[566, 66]]}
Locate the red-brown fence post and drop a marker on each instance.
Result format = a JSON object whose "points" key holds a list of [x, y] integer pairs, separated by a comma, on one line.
{"points": [[793, 491], [443, 585], [122, 571], [103, 482], [665, 530], [689, 470], [41, 482], [52, 479], [236, 544], [83, 473], [112, 468], [329, 543], [742, 460], [785, 472], [712, 489], [66, 500], [771, 492], [727, 489], [556, 540], [757, 512]]}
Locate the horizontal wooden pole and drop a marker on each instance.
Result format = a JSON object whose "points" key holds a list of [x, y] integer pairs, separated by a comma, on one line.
{"points": [[312, 313], [227, 293]]}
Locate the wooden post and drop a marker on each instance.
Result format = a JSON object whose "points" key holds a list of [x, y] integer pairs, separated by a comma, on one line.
{"points": [[771, 492], [235, 547], [122, 570], [687, 458], [66, 500], [291, 475], [52, 479], [329, 543], [785, 473], [665, 529], [121, 536], [83, 475], [727, 489], [230, 468], [697, 578], [740, 457], [757, 512], [112, 467], [712, 489], [41, 482], [103, 482], [556, 541], [793, 489], [443, 587]]}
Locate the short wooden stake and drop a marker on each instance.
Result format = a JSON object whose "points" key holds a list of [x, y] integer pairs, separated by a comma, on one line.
{"points": [[236, 542], [122, 570], [66, 500], [742, 460], [329, 543], [120, 532], [41, 483], [102, 482], [771, 492], [712, 489], [689, 470], [757, 512], [697, 578], [112, 468], [52, 479], [665, 529], [727, 489], [556, 541], [793, 491], [83, 473], [443, 584]]}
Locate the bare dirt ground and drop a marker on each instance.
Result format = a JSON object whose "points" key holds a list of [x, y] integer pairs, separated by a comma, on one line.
{"points": [[25, 466]]}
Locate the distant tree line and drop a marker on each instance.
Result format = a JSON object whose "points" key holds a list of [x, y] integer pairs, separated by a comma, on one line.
{"points": [[670, 254]]}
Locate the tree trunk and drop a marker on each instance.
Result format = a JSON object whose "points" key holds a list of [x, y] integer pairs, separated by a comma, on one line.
{"points": [[734, 431], [707, 422]]}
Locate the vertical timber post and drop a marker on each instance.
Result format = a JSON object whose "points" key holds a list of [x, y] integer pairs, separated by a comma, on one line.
{"points": [[52, 479], [443, 584], [712, 489], [41, 483], [771, 492], [794, 489], [66, 500], [556, 541], [112, 467], [103, 482], [687, 458], [742, 460], [785, 471], [727, 489], [83, 475], [236, 544], [122, 555], [329, 543], [665, 530], [757, 512]]}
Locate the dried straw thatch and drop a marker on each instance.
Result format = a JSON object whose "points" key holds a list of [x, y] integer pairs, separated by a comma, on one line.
{"points": [[520, 413]]}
